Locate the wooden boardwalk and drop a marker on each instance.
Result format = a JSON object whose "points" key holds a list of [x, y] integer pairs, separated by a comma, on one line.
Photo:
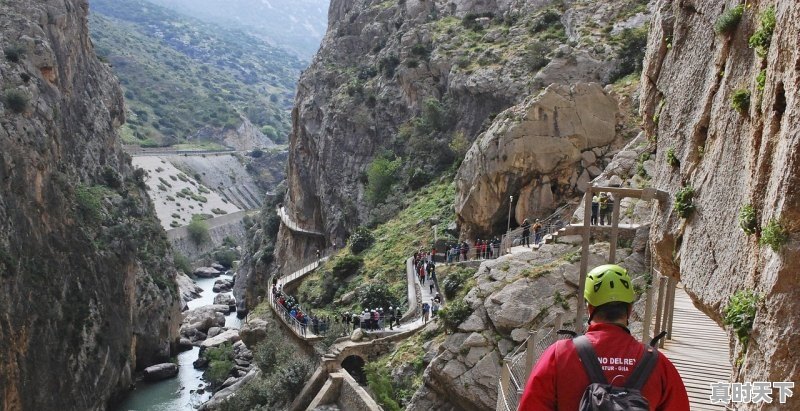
{"points": [[700, 351]]}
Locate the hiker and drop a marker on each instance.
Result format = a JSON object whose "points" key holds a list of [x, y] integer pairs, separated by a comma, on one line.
{"points": [[318, 255], [603, 208], [425, 312], [537, 232], [526, 233], [391, 318], [434, 307], [559, 378], [464, 250], [595, 208], [356, 321], [397, 316]]}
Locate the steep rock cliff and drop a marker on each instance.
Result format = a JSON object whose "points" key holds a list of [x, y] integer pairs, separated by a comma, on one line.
{"points": [[733, 153], [87, 287], [542, 150], [420, 79]]}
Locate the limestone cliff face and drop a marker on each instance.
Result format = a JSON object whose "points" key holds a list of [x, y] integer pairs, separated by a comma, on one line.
{"points": [[85, 292], [381, 64], [731, 158], [541, 150]]}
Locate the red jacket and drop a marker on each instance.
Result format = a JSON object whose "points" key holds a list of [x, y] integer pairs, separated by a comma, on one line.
{"points": [[558, 379]]}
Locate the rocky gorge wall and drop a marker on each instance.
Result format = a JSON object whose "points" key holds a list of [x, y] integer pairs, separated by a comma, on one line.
{"points": [[87, 285], [732, 153], [383, 65]]}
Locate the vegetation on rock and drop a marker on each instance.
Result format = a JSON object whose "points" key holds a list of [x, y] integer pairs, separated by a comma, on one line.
{"points": [[741, 312], [761, 39], [684, 201], [16, 100], [747, 219], [672, 160], [774, 235], [740, 100], [728, 21]]}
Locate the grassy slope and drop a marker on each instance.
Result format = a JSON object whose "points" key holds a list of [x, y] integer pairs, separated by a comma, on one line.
{"points": [[395, 241], [180, 75]]}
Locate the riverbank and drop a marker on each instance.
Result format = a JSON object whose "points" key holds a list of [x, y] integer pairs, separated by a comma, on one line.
{"points": [[187, 391]]}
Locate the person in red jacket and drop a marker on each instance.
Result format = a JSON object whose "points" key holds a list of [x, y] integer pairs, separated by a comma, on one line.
{"points": [[558, 379]]}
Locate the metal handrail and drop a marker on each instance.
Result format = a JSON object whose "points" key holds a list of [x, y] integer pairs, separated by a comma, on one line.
{"points": [[517, 365]]}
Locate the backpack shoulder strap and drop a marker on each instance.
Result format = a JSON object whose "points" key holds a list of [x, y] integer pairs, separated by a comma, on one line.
{"points": [[589, 360], [643, 370]]}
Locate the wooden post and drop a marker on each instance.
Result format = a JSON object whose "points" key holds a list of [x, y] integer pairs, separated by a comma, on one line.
{"points": [[648, 313], [672, 284], [587, 231], [612, 252], [660, 305]]}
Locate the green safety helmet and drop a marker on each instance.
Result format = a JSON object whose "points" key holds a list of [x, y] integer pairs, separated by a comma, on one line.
{"points": [[608, 283]]}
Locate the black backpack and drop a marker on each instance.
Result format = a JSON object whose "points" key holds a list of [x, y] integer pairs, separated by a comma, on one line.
{"points": [[602, 396]]}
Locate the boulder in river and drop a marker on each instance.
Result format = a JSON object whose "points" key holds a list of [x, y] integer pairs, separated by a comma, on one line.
{"points": [[203, 318], [207, 272], [222, 285], [225, 299], [228, 336], [219, 267], [160, 372]]}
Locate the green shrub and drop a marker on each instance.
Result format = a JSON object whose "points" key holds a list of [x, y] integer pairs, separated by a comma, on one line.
{"points": [[229, 242], [380, 383], [90, 202], [684, 202], [381, 175], [672, 160], [16, 100], [453, 282], [376, 295], [728, 21], [535, 55], [761, 80], [741, 313], [220, 363], [218, 211], [198, 231], [226, 257], [774, 235], [631, 52], [761, 39], [454, 313], [182, 263], [747, 219], [13, 53], [360, 240], [740, 100], [347, 266]]}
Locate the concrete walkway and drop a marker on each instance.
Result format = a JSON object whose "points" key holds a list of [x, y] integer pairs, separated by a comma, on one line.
{"points": [[293, 225]]}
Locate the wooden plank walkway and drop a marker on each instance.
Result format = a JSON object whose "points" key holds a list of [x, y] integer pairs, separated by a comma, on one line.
{"points": [[700, 351]]}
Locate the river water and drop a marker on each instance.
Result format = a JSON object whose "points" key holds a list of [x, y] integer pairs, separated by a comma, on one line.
{"points": [[175, 394]]}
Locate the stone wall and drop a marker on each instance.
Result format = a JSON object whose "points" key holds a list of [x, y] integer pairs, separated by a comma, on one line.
{"points": [[229, 225]]}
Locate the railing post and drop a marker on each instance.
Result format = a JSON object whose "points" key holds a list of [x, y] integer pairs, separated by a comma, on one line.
{"points": [[505, 376], [587, 217], [648, 313], [612, 252], [671, 285], [660, 305]]}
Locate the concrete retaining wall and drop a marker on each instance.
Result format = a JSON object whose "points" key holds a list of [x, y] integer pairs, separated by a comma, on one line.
{"points": [[229, 225]]}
